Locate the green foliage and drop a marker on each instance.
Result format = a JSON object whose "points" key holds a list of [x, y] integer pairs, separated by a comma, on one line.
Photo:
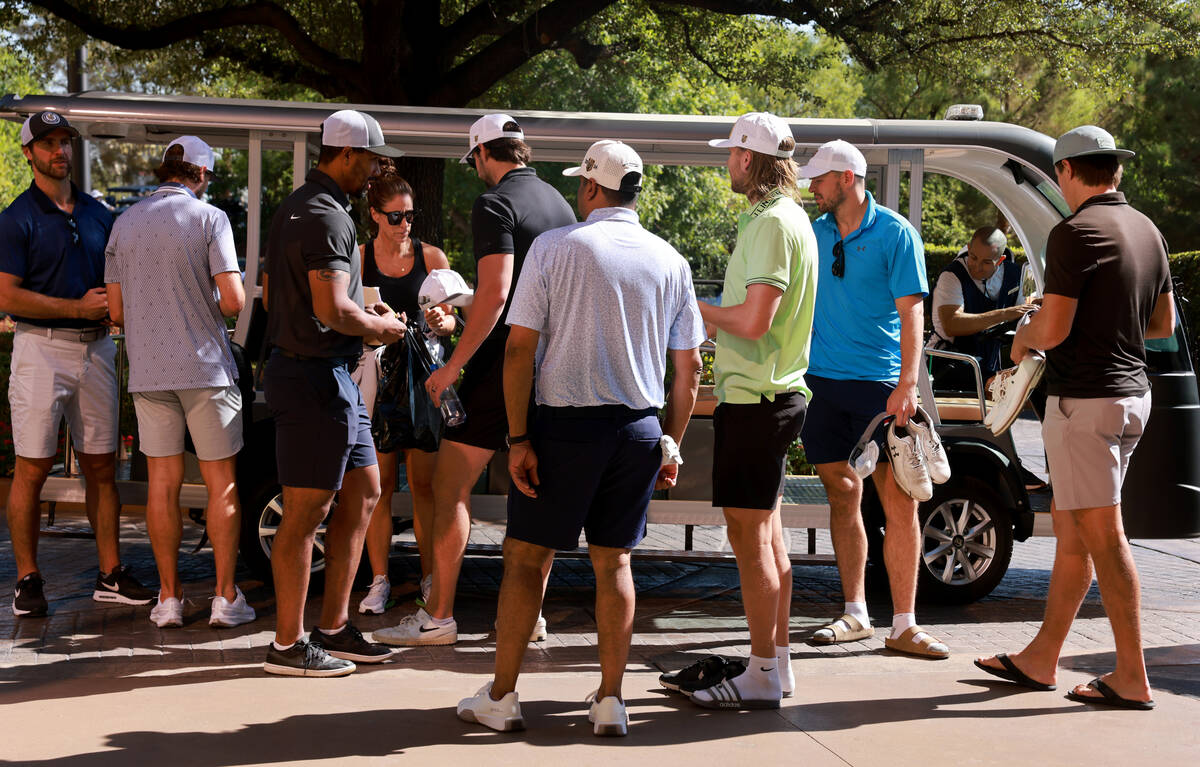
{"points": [[15, 77]]}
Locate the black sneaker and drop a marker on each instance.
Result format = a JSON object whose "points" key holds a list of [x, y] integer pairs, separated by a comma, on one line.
{"points": [[348, 644], [305, 659], [28, 599], [701, 674], [120, 586]]}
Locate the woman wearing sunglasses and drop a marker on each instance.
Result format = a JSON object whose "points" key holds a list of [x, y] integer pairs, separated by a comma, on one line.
{"points": [[396, 262]]}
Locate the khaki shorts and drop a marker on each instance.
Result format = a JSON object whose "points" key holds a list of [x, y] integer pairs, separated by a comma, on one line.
{"points": [[1089, 442], [51, 379], [212, 415]]}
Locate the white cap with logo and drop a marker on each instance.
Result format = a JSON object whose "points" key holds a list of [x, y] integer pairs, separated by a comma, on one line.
{"points": [[489, 128], [195, 151], [357, 130], [444, 286], [835, 156], [760, 132], [608, 163]]}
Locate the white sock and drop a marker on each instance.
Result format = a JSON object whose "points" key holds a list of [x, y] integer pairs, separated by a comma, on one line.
{"points": [[787, 678], [760, 679], [440, 621], [901, 623], [858, 611], [281, 647], [332, 632]]}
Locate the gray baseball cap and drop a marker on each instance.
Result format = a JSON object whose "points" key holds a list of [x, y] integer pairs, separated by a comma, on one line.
{"points": [[1087, 140]]}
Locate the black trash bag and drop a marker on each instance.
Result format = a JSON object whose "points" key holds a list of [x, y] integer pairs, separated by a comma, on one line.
{"points": [[405, 416]]}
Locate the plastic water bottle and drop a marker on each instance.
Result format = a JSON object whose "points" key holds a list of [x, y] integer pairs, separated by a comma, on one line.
{"points": [[452, 407]]}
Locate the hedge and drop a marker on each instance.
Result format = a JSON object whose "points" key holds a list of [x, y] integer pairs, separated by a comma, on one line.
{"points": [[1185, 268]]}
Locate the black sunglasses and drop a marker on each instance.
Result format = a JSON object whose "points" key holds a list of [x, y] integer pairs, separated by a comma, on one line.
{"points": [[396, 216], [839, 259], [471, 158], [74, 230]]}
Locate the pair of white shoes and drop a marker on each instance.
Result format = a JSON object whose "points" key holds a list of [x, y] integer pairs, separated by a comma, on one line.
{"points": [[607, 715], [917, 457], [1009, 390], [168, 613]]}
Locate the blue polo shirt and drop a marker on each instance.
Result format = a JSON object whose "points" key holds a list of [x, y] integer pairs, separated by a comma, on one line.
{"points": [[55, 254], [856, 328]]}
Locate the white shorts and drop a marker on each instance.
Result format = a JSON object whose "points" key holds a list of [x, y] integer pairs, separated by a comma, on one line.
{"points": [[212, 415], [51, 379], [1089, 442]]}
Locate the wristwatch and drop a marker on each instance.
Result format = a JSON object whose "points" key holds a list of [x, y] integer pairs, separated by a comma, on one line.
{"points": [[509, 440]]}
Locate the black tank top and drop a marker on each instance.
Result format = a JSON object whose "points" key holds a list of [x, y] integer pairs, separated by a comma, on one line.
{"points": [[400, 293]]}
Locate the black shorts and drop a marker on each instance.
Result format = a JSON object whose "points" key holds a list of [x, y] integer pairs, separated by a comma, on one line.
{"points": [[839, 413], [321, 425], [750, 450], [597, 467], [482, 393]]}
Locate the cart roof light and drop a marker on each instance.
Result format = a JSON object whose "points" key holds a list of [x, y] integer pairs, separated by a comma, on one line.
{"points": [[964, 112]]}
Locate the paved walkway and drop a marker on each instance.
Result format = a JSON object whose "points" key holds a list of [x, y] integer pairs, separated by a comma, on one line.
{"points": [[100, 685]]}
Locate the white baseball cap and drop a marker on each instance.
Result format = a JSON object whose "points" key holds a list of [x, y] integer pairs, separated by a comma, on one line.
{"points": [[607, 163], [41, 123], [836, 155], [760, 132], [444, 286], [195, 151], [357, 130], [489, 128]]}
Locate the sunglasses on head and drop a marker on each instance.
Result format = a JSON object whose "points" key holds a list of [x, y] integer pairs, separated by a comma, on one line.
{"points": [[839, 259], [394, 217]]}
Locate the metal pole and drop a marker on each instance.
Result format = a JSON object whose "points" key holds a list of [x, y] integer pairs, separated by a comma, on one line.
{"points": [[77, 83]]}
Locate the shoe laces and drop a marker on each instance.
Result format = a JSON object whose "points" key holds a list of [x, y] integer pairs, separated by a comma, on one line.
{"points": [[314, 654]]}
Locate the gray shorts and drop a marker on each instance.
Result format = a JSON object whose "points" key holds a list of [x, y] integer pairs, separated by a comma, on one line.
{"points": [[52, 379], [1089, 442], [212, 415]]}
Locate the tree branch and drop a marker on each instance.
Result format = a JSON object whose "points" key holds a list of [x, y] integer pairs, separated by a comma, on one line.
{"points": [[255, 14], [483, 19]]}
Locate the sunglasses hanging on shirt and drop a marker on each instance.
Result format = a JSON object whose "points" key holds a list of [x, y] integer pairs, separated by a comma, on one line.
{"points": [[839, 259]]}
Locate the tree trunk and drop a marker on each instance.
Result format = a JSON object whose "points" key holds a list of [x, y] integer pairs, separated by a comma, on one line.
{"points": [[425, 175]]}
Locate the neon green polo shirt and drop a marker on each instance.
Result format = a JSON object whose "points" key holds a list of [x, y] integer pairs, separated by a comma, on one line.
{"points": [[776, 247]]}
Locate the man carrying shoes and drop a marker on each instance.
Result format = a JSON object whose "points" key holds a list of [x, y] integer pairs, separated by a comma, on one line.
{"points": [[763, 330], [590, 457], [1108, 289], [316, 323], [866, 351]]}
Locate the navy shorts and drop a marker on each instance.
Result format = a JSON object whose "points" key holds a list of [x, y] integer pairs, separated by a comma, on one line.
{"points": [[322, 429], [839, 413], [597, 467], [751, 443]]}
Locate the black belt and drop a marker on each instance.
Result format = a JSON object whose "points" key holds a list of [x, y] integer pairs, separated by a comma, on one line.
{"points": [[78, 335], [340, 360]]}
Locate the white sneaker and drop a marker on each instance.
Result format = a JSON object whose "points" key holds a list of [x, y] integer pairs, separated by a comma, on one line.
{"points": [[908, 463], [608, 715], [936, 461], [226, 614], [375, 602], [502, 715], [418, 629], [167, 613], [1014, 390]]}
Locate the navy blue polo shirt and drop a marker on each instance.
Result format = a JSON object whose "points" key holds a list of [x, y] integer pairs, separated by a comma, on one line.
{"points": [[55, 254]]}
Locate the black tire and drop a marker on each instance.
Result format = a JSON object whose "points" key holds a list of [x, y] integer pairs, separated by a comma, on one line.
{"points": [[262, 504], [966, 542]]}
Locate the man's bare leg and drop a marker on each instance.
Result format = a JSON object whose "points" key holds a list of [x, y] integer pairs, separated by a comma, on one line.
{"points": [[751, 534], [163, 520], [1069, 583], [103, 505], [223, 520], [844, 489], [783, 565], [344, 542], [615, 601], [518, 607], [901, 541], [458, 468], [24, 510], [291, 557]]}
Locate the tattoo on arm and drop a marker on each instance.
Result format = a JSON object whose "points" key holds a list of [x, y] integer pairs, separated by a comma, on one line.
{"points": [[327, 275]]}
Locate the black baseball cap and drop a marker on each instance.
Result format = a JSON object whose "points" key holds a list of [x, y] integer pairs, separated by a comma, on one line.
{"points": [[40, 124]]}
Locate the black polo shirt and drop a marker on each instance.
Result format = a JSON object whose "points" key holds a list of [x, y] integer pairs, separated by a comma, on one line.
{"points": [[55, 253], [311, 230], [508, 217], [1113, 261]]}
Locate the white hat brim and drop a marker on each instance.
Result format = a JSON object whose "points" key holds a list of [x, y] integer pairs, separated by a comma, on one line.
{"points": [[574, 171], [722, 143]]}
